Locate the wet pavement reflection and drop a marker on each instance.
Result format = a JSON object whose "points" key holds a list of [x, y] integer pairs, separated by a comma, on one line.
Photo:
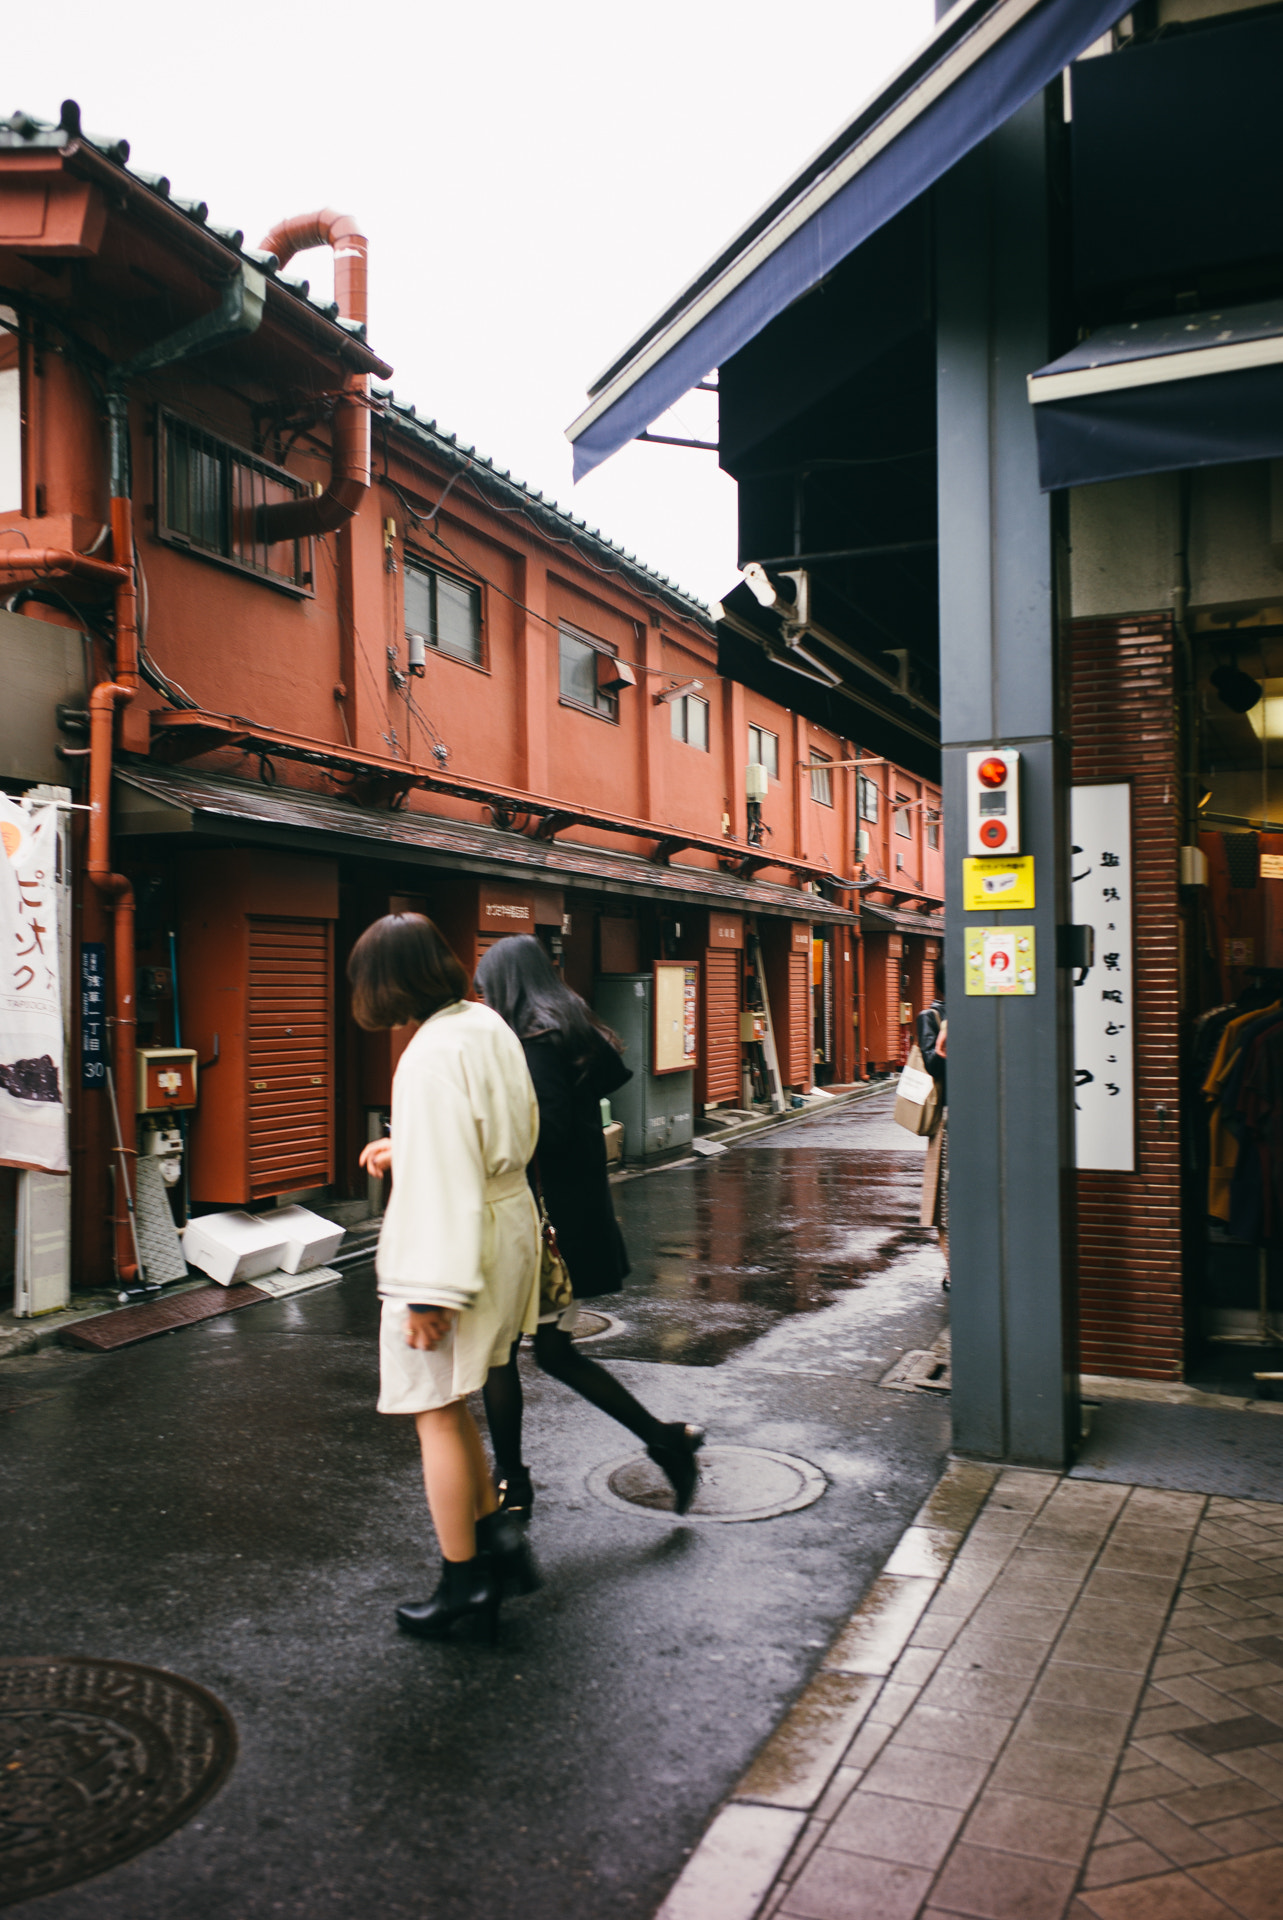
{"points": [[784, 1224]]}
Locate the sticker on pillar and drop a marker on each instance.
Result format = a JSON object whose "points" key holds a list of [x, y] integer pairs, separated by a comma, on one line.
{"points": [[1000, 960], [1006, 885]]}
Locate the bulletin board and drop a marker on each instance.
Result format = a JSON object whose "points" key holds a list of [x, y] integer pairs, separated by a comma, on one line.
{"points": [[676, 1047]]}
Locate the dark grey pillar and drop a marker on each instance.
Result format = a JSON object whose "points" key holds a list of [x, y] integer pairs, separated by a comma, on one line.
{"points": [[1011, 1192]]}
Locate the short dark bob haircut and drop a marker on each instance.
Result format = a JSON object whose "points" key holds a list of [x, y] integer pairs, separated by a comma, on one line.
{"points": [[401, 970]]}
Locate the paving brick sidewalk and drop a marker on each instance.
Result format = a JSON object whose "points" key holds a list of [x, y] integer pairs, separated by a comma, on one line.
{"points": [[1061, 1698]]}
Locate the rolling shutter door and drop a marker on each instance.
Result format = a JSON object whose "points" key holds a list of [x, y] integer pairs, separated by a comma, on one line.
{"points": [[800, 1043], [291, 1055], [721, 1023]]}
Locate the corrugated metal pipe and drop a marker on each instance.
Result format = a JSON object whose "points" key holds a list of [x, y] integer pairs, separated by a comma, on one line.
{"points": [[350, 431]]}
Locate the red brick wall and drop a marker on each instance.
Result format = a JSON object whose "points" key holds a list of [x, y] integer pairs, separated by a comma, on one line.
{"points": [[1129, 1224]]}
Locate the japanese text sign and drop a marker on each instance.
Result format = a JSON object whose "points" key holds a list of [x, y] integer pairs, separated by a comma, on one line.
{"points": [[1104, 1010], [33, 1116]]}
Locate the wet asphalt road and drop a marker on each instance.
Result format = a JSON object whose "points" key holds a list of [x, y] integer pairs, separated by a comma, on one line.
{"points": [[225, 1502]]}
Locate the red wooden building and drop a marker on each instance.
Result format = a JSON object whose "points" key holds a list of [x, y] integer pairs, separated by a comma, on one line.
{"points": [[303, 657]]}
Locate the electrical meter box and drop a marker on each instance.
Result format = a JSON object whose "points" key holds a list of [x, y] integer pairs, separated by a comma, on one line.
{"points": [[657, 1111], [993, 801], [166, 1079]]}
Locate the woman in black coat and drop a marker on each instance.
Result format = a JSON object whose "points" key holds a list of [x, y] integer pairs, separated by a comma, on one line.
{"points": [[575, 1063]]}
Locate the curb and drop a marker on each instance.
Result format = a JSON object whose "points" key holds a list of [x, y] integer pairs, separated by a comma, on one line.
{"points": [[735, 1865]]}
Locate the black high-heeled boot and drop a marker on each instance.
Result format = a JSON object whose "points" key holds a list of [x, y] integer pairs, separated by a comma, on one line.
{"points": [[675, 1454], [516, 1494], [505, 1544], [468, 1590]]}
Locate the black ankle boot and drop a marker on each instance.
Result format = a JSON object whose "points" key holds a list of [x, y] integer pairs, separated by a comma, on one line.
{"points": [[468, 1590], [505, 1544], [675, 1453], [516, 1494]]}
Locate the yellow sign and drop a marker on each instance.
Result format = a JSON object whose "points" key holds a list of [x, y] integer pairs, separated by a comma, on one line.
{"points": [[1002, 884], [1000, 960]]}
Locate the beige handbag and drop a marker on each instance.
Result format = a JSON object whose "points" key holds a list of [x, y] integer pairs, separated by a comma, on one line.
{"points": [[917, 1097]]}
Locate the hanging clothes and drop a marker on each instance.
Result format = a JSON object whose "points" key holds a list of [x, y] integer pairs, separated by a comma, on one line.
{"points": [[1221, 1089]]}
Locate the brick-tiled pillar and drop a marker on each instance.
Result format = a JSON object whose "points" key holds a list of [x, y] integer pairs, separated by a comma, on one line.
{"points": [[1129, 1224]]}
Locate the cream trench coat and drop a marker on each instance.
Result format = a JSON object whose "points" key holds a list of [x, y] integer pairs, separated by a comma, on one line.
{"points": [[461, 1229]]}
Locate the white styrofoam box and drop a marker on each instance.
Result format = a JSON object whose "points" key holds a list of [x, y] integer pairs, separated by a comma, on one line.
{"points": [[309, 1240], [231, 1247]]}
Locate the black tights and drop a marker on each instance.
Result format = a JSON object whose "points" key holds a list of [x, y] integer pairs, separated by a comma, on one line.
{"points": [[556, 1354]]}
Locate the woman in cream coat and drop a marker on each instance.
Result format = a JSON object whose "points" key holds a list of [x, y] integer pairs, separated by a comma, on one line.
{"points": [[458, 1257]]}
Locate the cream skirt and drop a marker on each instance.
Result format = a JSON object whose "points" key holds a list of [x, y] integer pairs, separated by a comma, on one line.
{"points": [[412, 1381]]}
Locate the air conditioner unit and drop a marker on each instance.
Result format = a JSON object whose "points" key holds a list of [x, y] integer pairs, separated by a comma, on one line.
{"points": [[756, 783], [862, 843]]}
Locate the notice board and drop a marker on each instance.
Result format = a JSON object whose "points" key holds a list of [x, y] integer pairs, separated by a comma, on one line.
{"points": [[676, 1000]]}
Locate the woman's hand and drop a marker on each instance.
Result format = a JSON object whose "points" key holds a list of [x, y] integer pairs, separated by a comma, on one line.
{"points": [[428, 1329], [376, 1157], [942, 1042]]}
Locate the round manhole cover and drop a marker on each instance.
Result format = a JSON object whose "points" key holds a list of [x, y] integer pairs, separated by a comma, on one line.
{"points": [[98, 1759], [592, 1325], [735, 1483]]}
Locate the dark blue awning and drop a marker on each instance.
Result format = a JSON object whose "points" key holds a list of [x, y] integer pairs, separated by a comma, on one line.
{"points": [[984, 62], [1195, 390]]}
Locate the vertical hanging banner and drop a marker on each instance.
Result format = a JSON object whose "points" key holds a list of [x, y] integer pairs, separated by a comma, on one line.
{"points": [[33, 1113], [1104, 1001]]}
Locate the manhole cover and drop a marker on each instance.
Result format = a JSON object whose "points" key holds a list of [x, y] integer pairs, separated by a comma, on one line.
{"points": [[592, 1325], [98, 1759], [735, 1483]]}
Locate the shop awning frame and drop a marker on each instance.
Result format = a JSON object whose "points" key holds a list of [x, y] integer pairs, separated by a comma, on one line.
{"points": [[1157, 396], [159, 806], [985, 60], [896, 920]]}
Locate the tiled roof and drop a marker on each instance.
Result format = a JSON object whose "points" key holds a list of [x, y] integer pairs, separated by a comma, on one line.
{"points": [[23, 132], [546, 514]]}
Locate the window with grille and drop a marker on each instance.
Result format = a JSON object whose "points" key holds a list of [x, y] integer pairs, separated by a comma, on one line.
{"points": [[580, 674], [688, 717], [445, 611], [210, 495], [764, 750], [821, 779], [903, 825], [868, 798]]}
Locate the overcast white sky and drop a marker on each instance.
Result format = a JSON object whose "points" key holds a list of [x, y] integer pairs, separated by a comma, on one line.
{"points": [[536, 181]]}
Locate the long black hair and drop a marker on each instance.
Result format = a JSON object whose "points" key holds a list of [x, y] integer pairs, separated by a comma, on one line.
{"points": [[518, 980]]}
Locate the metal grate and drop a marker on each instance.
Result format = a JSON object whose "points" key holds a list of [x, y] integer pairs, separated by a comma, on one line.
{"points": [[107, 1331], [158, 1240]]}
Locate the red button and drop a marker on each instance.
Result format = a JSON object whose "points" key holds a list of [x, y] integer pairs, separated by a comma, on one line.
{"points": [[993, 833]]}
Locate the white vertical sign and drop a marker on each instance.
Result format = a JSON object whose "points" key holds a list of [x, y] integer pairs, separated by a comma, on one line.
{"points": [[33, 1112], [1104, 1002]]}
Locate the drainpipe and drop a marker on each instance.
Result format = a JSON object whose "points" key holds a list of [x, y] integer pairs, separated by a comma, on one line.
{"points": [[350, 430]]}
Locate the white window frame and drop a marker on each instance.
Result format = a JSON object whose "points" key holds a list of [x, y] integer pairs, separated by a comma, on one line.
{"points": [[821, 778]]}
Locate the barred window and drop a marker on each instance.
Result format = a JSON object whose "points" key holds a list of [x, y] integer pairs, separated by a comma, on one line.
{"points": [[446, 611], [210, 496]]}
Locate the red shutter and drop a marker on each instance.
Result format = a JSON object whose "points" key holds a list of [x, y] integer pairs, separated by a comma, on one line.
{"points": [[721, 1024], [796, 1068], [291, 1055]]}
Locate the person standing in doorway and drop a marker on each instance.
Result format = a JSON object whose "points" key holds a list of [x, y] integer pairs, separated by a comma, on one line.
{"points": [[458, 1256], [575, 1063], [933, 1040]]}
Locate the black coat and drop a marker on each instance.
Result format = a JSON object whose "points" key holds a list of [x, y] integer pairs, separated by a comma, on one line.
{"points": [[571, 1160], [929, 1025]]}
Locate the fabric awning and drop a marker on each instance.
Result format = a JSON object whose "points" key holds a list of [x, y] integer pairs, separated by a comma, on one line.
{"points": [[1192, 390], [161, 804], [984, 61]]}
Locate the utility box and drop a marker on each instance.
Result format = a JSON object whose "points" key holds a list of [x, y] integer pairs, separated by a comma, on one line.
{"points": [[166, 1079], [657, 1112]]}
